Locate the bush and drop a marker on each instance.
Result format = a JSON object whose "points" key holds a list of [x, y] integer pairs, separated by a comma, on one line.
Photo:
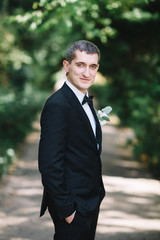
{"points": [[137, 107], [17, 113]]}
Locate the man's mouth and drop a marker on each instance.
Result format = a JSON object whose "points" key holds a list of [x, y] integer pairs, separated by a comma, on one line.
{"points": [[85, 79]]}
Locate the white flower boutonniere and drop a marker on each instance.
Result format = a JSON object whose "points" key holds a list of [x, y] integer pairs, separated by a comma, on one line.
{"points": [[103, 115]]}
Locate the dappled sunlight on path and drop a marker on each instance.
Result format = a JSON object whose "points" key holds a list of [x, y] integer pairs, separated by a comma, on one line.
{"points": [[20, 199], [130, 210]]}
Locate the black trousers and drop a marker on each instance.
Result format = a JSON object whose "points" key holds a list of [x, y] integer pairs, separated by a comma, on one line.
{"points": [[81, 228]]}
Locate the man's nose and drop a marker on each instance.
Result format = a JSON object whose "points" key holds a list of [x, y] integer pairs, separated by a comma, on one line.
{"points": [[86, 72]]}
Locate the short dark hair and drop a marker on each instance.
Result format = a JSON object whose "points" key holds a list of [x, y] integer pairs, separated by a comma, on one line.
{"points": [[81, 45]]}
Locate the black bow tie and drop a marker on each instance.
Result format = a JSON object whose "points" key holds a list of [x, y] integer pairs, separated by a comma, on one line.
{"points": [[87, 99]]}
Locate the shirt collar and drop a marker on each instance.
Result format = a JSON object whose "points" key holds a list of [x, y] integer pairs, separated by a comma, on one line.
{"points": [[77, 92]]}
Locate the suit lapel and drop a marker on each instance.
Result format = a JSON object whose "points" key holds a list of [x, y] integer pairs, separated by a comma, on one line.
{"points": [[98, 127], [77, 107]]}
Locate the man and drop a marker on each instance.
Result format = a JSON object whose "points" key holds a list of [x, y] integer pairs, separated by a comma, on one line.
{"points": [[70, 147]]}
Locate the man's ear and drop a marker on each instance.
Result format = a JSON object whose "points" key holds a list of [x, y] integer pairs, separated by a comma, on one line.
{"points": [[66, 66]]}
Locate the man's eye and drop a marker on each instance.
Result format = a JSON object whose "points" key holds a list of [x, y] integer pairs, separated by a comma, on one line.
{"points": [[80, 64], [93, 67]]}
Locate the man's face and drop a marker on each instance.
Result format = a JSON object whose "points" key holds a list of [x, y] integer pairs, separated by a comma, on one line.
{"points": [[82, 70]]}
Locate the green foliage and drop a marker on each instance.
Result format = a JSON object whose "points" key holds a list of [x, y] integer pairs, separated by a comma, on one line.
{"points": [[17, 115], [34, 36], [6, 161]]}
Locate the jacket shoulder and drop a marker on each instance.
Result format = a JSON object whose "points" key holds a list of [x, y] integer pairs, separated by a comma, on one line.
{"points": [[58, 97], [55, 106]]}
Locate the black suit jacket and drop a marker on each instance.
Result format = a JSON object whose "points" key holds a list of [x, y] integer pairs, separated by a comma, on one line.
{"points": [[69, 160]]}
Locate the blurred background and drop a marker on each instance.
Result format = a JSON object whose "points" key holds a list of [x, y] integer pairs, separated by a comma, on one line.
{"points": [[34, 36]]}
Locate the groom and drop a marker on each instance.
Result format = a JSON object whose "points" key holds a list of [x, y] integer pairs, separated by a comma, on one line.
{"points": [[70, 147]]}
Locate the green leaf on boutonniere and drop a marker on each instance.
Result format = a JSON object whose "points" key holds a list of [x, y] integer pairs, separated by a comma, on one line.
{"points": [[103, 115]]}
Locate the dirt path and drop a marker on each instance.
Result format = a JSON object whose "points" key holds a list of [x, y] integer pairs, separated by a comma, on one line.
{"points": [[130, 210]]}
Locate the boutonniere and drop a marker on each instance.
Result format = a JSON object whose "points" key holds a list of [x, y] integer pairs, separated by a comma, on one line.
{"points": [[103, 115]]}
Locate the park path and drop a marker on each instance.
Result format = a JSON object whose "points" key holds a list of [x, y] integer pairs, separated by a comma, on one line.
{"points": [[130, 210]]}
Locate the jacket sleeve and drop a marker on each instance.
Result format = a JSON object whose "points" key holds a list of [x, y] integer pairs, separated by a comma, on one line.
{"points": [[54, 131]]}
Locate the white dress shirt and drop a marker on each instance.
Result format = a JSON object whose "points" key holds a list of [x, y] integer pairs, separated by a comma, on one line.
{"points": [[85, 106]]}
